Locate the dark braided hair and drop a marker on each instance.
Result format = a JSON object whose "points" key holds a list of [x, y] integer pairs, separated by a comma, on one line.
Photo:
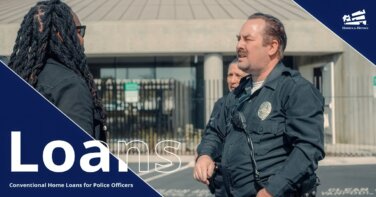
{"points": [[37, 40]]}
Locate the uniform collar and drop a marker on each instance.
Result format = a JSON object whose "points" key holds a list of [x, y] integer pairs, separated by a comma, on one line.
{"points": [[244, 82], [270, 82], [278, 70]]}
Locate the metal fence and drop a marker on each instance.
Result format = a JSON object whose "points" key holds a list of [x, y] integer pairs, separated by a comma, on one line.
{"points": [[145, 113], [355, 118]]}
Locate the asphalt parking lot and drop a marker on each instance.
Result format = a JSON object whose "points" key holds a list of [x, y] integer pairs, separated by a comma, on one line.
{"points": [[344, 179]]}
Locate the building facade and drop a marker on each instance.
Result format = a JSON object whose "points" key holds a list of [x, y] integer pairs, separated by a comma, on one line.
{"points": [[191, 42]]}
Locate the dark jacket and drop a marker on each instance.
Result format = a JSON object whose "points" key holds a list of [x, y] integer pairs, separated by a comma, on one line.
{"points": [[284, 124], [69, 92], [212, 127], [216, 185]]}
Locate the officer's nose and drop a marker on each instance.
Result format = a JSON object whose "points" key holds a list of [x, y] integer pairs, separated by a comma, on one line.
{"points": [[239, 44], [233, 80]]}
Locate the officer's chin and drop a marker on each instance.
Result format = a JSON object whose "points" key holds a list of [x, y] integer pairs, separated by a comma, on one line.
{"points": [[232, 89], [243, 66]]}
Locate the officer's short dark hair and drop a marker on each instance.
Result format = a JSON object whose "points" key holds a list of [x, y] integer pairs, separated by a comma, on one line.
{"points": [[274, 29]]}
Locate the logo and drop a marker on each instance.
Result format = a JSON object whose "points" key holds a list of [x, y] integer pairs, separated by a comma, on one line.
{"points": [[264, 110], [355, 21]]}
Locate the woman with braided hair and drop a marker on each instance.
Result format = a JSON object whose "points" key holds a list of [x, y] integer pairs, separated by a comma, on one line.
{"points": [[49, 55]]}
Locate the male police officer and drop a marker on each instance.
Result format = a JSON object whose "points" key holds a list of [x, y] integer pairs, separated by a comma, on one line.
{"points": [[234, 74], [271, 125]]}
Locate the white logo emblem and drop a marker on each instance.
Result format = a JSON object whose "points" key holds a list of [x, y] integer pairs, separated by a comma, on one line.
{"points": [[357, 19], [264, 110]]}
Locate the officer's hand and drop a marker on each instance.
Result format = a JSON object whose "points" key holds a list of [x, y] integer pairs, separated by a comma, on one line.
{"points": [[263, 193], [204, 169]]}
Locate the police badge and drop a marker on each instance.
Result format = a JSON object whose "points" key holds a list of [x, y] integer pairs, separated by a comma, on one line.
{"points": [[264, 110]]}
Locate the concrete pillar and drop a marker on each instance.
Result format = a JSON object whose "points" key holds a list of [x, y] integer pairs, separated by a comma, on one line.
{"points": [[213, 76]]}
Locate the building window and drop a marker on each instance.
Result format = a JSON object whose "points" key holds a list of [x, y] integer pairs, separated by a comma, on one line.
{"points": [[317, 78], [141, 73], [181, 68]]}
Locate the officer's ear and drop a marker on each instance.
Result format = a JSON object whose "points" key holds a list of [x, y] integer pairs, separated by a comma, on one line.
{"points": [[273, 47]]}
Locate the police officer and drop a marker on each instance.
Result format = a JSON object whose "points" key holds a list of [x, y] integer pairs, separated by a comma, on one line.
{"points": [[271, 125], [234, 74]]}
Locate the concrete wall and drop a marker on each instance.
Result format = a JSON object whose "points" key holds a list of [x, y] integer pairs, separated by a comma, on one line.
{"points": [[356, 106], [153, 37]]}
